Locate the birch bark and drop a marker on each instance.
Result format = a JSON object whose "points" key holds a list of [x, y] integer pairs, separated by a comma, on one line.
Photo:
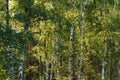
{"points": [[71, 55], [21, 66], [103, 62], [82, 41]]}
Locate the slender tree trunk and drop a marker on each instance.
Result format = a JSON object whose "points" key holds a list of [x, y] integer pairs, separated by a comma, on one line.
{"points": [[109, 67], [20, 74], [47, 67], [82, 42], [57, 74], [71, 55], [7, 13], [106, 43], [40, 68], [103, 69], [103, 62], [52, 58], [21, 67], [113, 61], [47, 64], [111, 57], [30, 59], [10, 72]]}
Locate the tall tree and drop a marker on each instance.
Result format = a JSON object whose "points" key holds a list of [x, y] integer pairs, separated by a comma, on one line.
{"points": [[82, 39], [106, 40], [27, 10], [71, 54]]}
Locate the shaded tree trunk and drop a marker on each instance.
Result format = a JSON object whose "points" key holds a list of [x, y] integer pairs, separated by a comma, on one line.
{"points": [[57, 71], [30, 62], [26, 25], [40, 68], [47, 67], [113, 62], [60, 60], [111, 47], [10, 56]]}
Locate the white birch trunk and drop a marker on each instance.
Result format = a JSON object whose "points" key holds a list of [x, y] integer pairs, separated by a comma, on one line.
{"points": [[71, 55], [26, 26], [103, 70], [20, 74], [106, 45], [82, 42], [118, 72], [21, 66], [103, 63]]}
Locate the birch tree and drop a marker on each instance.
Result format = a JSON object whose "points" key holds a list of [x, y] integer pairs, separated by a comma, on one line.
{"points": [[26, 8], [103, 62], [82, 40], [106, 41], [71, 55]]}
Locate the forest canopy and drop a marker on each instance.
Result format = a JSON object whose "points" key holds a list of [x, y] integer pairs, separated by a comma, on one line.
{"points": [[59, 39]]}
